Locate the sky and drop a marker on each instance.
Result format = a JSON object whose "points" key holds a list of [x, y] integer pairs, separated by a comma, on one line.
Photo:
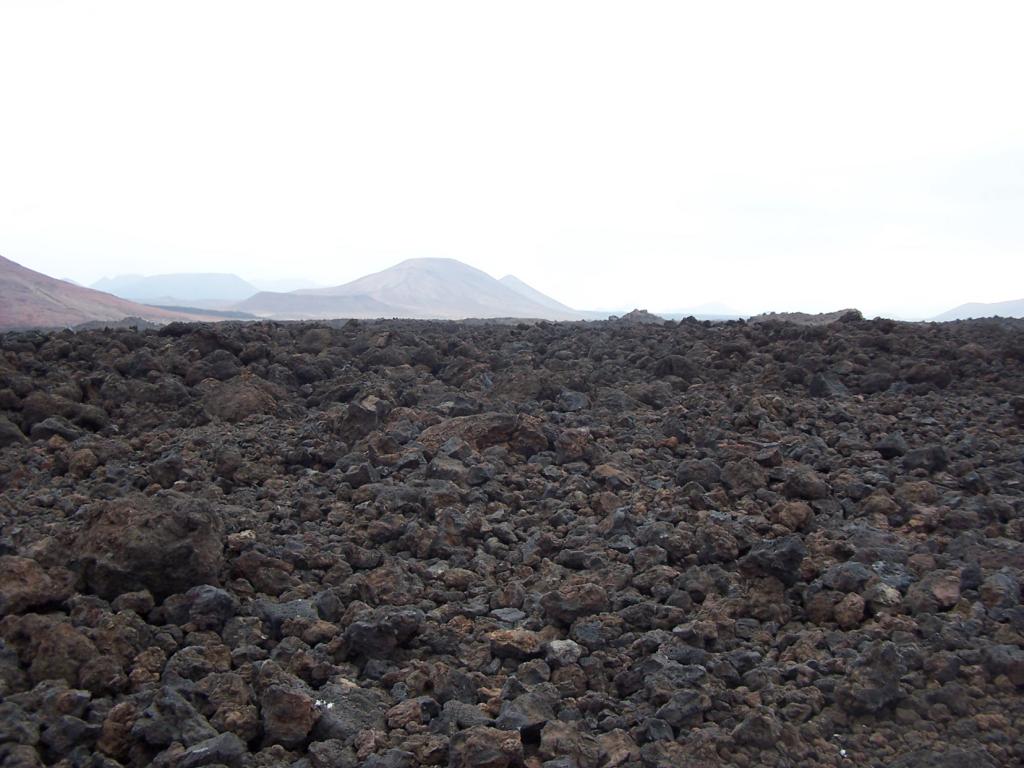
{"points": [[787, 156]]}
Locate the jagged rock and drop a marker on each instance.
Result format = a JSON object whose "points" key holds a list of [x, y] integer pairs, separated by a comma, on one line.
{"points": [[892, 446], [743, 476], [931, 458], [171, 718], [347, 710], [225, 749], [875, 681], [563, 652], [570, 602], [780, 558], [379, 633], [804, 483], [529, 712]]}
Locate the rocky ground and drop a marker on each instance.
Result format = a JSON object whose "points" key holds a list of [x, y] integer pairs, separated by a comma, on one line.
{"points": [[411, 543]]}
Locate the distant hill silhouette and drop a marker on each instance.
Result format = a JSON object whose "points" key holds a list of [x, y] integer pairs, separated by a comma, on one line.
{"points": [[528, 292], [178, 287], [416, 288], [30, 299], [284, 284], [977, 309]]}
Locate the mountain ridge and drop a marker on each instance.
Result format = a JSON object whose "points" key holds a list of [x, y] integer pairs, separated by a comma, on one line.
{"points": [[178, 286], [973, 309]]}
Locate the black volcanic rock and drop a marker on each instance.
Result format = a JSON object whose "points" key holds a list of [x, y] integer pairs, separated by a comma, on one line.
{"points": [[425, 543], [165, 544]]}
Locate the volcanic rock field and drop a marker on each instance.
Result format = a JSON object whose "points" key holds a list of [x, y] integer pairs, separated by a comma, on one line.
{"points": [[392, 544]]}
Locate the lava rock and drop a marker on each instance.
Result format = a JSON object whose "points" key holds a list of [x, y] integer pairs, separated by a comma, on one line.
{"points": [[166, 544], [484, 746], [780, 558]]}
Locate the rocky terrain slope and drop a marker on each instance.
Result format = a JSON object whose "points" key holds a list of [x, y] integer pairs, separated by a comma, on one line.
{"points": [[411, 543]]}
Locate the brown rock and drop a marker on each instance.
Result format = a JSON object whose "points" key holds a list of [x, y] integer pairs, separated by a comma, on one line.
{"points": [[849, 612], [52, 649], [103, 675], [82, 463], [568, 603], [558, 739], [937, 591], [239, 398], [794, 515], [515, 643], [484, 747], [412, 713], [521, 433], [390, 584], [25, 584], [288, 715], [618, 748], [945, 588], [573, 445], [612, 476], [428, 749], [743, 476], [116, 734], [879, 503]]}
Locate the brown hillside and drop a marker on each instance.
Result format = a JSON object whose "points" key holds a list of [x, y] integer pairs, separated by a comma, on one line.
{"points": [[30, 299]]}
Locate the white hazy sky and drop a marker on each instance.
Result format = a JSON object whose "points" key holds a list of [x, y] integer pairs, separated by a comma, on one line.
{"points": [[766, 155]]}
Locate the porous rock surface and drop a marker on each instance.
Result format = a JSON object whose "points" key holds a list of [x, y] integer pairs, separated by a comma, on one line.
{"points": [[391, 544]]}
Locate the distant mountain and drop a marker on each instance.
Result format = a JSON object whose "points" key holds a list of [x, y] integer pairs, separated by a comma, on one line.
{"points": [[416, 288], [528, 292], [30, 299], [289, 306], [977, 309], [285, 284], [177, 288]]}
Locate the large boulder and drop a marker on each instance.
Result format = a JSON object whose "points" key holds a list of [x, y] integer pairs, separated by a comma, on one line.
{"points": [[167, 544]]}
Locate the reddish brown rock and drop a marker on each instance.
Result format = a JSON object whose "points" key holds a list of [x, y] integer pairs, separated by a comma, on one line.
{"points": [[521, 433], [515, 643], [288, 715], [481, 746], [25, 584], [239, 398]]}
